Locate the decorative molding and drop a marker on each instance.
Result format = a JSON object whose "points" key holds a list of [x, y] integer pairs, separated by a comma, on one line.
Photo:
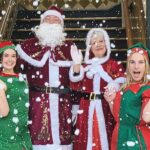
{"points": [[69, 4]]}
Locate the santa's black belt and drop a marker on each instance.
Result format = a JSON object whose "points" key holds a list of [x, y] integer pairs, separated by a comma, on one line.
{"points": [[91, 96], [88, 96], [47, 89]]}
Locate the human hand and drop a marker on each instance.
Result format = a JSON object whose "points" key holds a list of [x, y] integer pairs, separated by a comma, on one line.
{"points": [[112, 87], [109, 97], [76, 55]]}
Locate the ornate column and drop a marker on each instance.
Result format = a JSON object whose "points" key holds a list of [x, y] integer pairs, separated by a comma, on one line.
{"points": [[148, 22]]}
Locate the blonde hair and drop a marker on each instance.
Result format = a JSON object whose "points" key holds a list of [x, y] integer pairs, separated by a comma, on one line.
{"points": [[129, 79]]}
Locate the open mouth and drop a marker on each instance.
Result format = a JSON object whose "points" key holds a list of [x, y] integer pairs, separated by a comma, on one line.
{"points": [[136, 72]]}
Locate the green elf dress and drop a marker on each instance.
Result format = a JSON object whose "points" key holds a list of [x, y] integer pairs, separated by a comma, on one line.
{"points": [[131, 132], [14, 134]]}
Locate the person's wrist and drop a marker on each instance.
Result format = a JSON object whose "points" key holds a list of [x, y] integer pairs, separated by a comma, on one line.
{"points": [[111, 102]]}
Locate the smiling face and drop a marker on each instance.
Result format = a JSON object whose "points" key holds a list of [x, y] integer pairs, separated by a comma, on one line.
{"points": [[98, 46], [137, 67], [9, 59]]}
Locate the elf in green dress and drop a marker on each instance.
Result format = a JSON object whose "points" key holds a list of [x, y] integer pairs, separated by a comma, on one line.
{"points": [[131, 105], [14, 96]]}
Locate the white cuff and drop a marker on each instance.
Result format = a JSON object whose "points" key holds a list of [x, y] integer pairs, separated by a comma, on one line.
{"points": [[77, 77]]}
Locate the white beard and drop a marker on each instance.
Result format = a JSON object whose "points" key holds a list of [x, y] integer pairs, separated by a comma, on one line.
{"points": [[50, 34]]}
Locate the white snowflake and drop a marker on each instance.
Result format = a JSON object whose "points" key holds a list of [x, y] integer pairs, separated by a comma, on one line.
{"points": [[3, 12], [77, 131], [22, 66], [33, 76], [15, 111], [17, 129], [104, 21], [116, 54], [112, 45], [68, 120], [37, 72], [27, 104], [83, 87], [9, 80], [119, 62], [66, 6], [46, 84], [80, 111], [26, 91], [29, 122], [35, 3], [39, 12], [38, 99], [61, 99], [15, 120], [41, 76], [12, 137], [130, 143]]}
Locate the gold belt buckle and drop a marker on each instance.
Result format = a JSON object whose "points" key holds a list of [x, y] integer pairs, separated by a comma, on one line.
{"points": [[92, 96], [48, 89]]}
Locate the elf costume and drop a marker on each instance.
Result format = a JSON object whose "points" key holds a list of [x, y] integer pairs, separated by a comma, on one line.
{"points": [[14, 134], [131, 132]]}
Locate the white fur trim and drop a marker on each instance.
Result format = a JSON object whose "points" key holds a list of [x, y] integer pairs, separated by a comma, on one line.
{"points": [[41, 63], [90, 125], [30, 60], [96, 83], [104, 75], [78, 77], [120, 80], [61, 63], [101, 125], [52, 13], [52, 147], [96, 105], [54, 103], [107, 42]]}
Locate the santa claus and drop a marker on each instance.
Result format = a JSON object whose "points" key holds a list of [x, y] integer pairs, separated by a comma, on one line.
{"points": [[46, 60]]}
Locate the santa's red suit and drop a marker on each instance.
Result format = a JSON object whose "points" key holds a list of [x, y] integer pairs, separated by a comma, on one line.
{"points": [[50, 108], [95, 122]]}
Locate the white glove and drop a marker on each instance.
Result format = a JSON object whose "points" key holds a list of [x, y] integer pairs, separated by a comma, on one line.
{"points": [[76, 55], [113, 87]]}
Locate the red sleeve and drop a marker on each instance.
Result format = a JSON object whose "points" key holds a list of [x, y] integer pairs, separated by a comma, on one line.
{"points": [[116, 105], [145, 99]]}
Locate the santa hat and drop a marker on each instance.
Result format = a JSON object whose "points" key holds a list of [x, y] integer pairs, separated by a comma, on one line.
{"points": [[54, 11], [88, 52], [138, 48], [4, 45]]}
